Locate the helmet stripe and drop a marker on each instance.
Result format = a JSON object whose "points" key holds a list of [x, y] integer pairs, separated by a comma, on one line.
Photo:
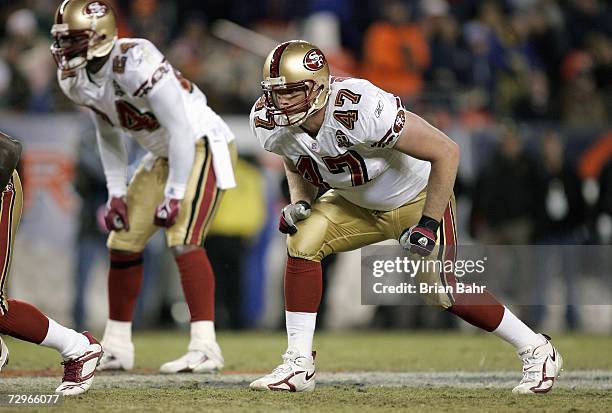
{"points": [[60, 12], [275, 61]]}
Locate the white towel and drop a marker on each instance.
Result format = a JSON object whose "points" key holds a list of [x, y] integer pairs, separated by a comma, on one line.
{"points": [[222, 160]]}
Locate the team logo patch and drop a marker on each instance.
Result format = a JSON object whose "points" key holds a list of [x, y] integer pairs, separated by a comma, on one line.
{"points": [[314, 60], [95, 9], [342, 140], [400, 121], [9, 187]]}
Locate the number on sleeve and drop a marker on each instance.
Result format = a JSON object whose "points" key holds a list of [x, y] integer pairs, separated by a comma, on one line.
{"points": [[346, 117], [344, 94]]}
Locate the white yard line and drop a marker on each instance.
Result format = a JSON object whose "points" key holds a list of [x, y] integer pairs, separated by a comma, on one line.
{"points": [[587, 379]]}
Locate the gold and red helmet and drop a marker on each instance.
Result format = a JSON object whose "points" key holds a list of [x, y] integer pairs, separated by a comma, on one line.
{"points": [[295, 65], [83, 30]]}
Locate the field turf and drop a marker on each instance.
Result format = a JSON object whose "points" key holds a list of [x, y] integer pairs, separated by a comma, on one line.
{"points": [[358, 371]]}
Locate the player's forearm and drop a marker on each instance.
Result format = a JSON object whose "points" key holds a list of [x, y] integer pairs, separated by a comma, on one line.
{"points": [[180, 159], [441, 183], [300, 189], [166, 102], [114, 161]]}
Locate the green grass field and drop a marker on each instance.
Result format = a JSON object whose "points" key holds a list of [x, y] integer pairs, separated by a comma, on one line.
{"points": [[366, 351]]}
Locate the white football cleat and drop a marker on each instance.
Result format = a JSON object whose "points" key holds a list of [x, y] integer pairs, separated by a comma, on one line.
{"points": [[541, 366], [79, 371], [207, 359], [3, 354], [117, 356], [297, 373]]}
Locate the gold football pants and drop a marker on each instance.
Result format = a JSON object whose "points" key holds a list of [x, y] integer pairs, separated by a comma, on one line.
{"points": [[337, 225], [196, 212]]}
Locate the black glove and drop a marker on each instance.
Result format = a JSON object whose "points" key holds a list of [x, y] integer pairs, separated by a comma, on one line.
{"points": [[421, 238]]}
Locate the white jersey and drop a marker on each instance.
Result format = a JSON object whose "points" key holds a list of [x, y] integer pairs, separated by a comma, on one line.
{"points": [[353, 151], [119, 94]]}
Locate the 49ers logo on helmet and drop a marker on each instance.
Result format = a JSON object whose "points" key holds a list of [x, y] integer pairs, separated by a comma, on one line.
{"points": [[314, 60], [95, 9]]}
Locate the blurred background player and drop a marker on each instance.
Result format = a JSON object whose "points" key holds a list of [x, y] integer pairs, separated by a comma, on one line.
{"points": [[389, 175], [21, 320], [131, 88]]}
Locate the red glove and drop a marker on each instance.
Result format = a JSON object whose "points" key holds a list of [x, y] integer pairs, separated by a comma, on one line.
{"points": [[167, 212], [116, 215]]}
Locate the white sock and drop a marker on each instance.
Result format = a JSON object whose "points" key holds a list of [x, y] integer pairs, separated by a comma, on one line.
{"points": [[117, 333], [201, 332], [515, 332], [300, 331], [68, 342]]}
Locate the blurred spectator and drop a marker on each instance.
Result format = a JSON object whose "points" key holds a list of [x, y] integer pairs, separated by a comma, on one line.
{"points": [[585, 17], [536, 104], [604, 205], [600, 50], [229, 76], [450, 61], [583, 105], [504, 193], [559, 220], [153, 20], [560, 209], [26, 52], [395, 52]]}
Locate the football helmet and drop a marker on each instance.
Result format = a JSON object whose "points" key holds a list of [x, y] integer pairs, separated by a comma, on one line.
{"points": [[295, 66], [82, 30]]}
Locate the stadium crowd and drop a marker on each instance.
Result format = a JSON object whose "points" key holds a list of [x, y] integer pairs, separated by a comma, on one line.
{"points": [[524, 87]]}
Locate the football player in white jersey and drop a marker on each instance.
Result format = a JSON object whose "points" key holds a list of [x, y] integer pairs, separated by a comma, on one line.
{"points": [[132, 90], [390, 175], [22, 320]]}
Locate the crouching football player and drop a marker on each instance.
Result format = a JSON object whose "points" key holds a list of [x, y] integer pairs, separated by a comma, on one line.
{"points": [[389, 175], [133, 91], [21, 320]]}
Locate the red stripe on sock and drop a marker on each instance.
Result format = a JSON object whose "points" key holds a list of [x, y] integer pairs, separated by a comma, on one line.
{"points": [[124, 284], [198, 281], [24, 322], [303, 285]]}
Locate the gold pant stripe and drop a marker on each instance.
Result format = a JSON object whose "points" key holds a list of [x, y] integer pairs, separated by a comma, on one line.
{"points": [[146, 192], [10, 214]]}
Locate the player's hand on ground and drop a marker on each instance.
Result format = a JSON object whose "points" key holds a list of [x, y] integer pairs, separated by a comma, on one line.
{"points": [[167, 212], [420, 238], [116, 215], [291, 214]]}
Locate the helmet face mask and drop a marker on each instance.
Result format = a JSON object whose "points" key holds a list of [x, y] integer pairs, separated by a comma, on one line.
{"points": [[83, 30], [296, 111], [295, 82]]}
